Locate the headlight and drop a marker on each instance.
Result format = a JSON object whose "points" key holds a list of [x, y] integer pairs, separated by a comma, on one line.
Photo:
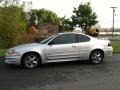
{"points": [[11, 51]]}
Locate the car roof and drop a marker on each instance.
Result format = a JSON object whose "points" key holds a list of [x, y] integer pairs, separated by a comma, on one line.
{"points": [[73, 33], [70, 33]]}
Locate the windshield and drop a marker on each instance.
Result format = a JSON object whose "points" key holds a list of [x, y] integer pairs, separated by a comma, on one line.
{"points": [[47, 39]]}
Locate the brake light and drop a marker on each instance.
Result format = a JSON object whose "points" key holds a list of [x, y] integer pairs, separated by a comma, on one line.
{"points": [[109, 44]]}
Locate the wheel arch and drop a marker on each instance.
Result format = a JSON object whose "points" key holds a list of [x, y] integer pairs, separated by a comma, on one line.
{"points": [[97, 50], [29, 53]]}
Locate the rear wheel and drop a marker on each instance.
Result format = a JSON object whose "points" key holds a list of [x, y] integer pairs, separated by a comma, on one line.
{"points": [[31, 60], [96, 57]]}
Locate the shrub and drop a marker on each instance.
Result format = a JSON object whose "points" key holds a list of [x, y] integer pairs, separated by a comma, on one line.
{"points": [[12, 26]]}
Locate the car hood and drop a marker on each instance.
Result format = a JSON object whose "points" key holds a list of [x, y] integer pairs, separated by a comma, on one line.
{"points": [[30, 45]]}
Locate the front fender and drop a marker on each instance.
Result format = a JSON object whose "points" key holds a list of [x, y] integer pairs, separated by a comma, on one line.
{"points": [[36, 50]]}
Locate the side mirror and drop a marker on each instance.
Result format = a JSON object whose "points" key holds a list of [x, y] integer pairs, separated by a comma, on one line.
{"points": [[50, 43]]}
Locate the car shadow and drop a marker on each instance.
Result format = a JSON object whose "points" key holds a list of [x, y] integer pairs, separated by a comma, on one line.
{"points": [[71, 63], [52, 65]]}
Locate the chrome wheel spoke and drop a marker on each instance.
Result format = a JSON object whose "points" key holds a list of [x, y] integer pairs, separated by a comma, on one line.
{"points": [[98, 54], [94, 57], [31, 61], [35, 62], [27, 62], [29, 58], [99, 59], [31, 65], [33, 58]]}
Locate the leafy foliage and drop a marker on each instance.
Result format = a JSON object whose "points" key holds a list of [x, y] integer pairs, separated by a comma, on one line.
{"points": [[84, 17], [43, 16], [65, 25], [12, 25]]}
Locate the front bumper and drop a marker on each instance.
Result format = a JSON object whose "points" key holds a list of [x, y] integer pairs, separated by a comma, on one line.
{"points": [[13, 59]]}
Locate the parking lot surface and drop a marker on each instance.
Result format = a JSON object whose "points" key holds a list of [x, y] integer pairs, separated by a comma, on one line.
{"points": [[79, 75]]}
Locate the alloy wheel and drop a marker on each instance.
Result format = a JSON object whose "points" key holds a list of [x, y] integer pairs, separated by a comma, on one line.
{"points": [[96, 57]]}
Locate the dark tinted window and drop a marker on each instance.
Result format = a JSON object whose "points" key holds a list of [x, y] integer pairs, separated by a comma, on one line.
{"points": [[47, 39], [82, 38], [65, 39]]}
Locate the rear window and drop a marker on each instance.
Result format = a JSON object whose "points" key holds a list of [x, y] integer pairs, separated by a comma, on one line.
{"points": [[82, 38]]}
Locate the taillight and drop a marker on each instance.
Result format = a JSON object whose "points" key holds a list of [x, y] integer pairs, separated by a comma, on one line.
{"points": [[109, 44]]}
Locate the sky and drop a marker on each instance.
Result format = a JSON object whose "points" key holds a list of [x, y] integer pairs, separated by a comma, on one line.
{"points": [[65, 8]]}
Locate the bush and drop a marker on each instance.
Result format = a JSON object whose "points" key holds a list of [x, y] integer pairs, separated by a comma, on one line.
{"points": [[12, 26]]}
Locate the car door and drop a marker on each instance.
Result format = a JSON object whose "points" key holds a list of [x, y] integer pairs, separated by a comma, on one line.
{"points": [[62, 48], [84, 46]]}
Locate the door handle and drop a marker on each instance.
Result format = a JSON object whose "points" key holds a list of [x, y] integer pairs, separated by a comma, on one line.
{"points": [[74, 46]]}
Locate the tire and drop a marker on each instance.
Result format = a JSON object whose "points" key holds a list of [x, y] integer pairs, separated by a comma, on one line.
{"points": [[96, 57], [31, 60]]}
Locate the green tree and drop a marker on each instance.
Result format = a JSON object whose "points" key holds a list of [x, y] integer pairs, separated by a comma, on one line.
{"points": [[48, 16], [33, 20], [84, 17], [65, 25], [43, 16], [12, 25]]}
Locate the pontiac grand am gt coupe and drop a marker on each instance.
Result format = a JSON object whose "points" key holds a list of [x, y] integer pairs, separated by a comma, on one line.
{"points": [[61, 47]]}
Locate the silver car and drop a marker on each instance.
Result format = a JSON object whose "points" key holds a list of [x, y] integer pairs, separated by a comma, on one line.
{"points": [[58, 48]]}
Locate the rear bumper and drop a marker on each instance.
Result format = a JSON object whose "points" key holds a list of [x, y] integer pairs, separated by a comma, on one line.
{"points": [[108, 51], [15, 59]]}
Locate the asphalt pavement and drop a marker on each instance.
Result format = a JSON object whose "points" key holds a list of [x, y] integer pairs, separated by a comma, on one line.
{"points": [[79, 75]]}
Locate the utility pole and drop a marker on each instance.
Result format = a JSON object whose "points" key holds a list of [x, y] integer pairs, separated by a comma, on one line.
{"points": [[113, 19]]}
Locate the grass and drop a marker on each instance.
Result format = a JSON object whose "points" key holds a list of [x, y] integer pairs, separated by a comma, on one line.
{"points": [[116, 46], [2, 52]]}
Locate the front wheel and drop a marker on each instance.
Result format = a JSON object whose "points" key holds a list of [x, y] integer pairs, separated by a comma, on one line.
{"points": [[31, 60], [96, 57]]}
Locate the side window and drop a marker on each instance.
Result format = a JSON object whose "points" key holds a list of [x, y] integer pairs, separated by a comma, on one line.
{"points": [[82, 38], [65, 39]]}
